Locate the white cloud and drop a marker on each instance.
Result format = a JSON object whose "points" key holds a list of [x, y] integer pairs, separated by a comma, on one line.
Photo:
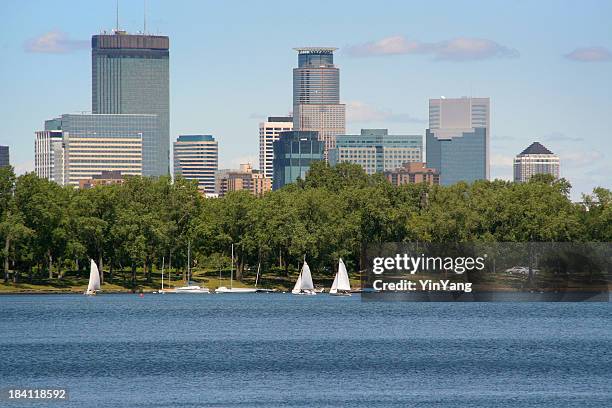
{"points": [[357, 111], [501, 160], [54, 42], [456, 49], [580, 158], [590, 54]]}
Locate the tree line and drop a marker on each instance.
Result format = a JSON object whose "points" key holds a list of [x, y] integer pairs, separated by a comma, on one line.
{"points": [[47, 230]]}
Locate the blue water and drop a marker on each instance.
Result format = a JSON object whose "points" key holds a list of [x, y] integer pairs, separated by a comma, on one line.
{"points": [[277, 350]]}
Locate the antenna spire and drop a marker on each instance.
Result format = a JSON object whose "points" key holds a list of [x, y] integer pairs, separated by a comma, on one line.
{"points": [[117, 16], [144, 31]]}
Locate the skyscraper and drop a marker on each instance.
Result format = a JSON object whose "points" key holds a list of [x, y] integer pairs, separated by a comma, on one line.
{"points": [[196, 157], [316, 94], [130, 76], [293, 154], [376, 150], [4, 156], [535, 159], [457, 141], [451, 116], [268, 133], [77, 147], [457, 157]]}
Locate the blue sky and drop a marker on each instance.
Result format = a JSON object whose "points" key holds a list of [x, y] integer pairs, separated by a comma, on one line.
{"points": [[546, 65]]}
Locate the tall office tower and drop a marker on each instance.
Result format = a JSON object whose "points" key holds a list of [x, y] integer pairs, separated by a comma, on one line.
{"points": [[449, 117], [77, 147], [316, 95], [4, 156], [268, 133], [293, 153], [460, 157], [243, 179], [376, 150], [130, 76], [196, 157], [536, 159]]}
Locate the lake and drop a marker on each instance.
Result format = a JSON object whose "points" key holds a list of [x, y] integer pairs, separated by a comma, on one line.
{"points": [[279, 350]]}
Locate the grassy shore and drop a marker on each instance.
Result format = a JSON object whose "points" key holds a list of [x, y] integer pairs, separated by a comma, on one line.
{"points": [[73, 283]]}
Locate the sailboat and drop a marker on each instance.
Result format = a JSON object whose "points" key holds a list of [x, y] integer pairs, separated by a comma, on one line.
{"points": [[190, 288], [341, 285], [94, 280], [232, 289], [304, 285]]}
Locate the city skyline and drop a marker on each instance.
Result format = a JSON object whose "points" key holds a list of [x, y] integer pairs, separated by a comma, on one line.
{"points": [[548, 84]]}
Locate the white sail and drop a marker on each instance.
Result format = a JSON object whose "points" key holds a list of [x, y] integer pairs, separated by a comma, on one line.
{"points": [[306, 278], [94, 278], [298, 284], [334, 288], [343, 278]]}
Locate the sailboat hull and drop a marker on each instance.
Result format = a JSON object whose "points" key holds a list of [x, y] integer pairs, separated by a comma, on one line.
{"points": [[340, 294]]}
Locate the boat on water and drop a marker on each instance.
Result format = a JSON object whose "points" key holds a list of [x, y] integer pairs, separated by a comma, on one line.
{"points": [[232, 289], [341, 285], [191, 289], [304, 285], [93, 287]]}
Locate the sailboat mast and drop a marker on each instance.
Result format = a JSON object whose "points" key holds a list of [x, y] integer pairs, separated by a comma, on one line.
{"points": [[232, 270], [188, 261], [162, 271]]}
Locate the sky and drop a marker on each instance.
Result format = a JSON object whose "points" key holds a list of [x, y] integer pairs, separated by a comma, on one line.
{"points": [[546, 65]]}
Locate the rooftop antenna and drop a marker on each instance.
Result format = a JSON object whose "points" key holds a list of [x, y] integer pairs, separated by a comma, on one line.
{"points": [[117, 21], [145, 17]]}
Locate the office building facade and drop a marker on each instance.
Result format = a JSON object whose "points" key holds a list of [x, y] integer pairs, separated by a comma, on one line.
{"points": [[77, 147], [535, 159], [4, 156], [451, 117], [268, 134], [130, 75], [316, 95], [412, 173], [376, 150], [196, 157], [243, 179], [294, 152], [457, 156]]}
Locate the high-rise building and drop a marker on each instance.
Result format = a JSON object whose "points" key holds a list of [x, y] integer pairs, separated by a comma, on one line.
{"points": [[316, 94], [76, 147], [376, 150], [243, 179], [294, 152], [130, 75], [4, 156], [535, 159], [268, 134], [49, 152], [411, 173], [449, 117], [458, 156], [196, 157]]}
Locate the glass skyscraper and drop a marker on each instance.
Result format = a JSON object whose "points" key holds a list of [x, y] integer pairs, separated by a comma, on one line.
{"points": [[316, 94], [451, 116], [4, 156], [293, 153], [458, 157], [130, 75], [376, 150]]}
